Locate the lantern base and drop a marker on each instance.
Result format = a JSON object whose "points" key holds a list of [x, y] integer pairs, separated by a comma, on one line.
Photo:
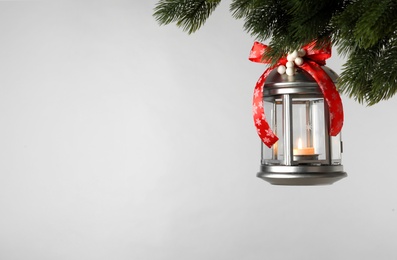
{"points": [[301, 174]]}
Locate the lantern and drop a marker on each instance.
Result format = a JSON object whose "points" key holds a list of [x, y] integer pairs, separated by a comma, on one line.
{"points": [[305, 153]]}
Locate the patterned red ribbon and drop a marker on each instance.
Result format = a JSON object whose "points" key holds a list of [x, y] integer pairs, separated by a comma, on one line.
{"points": [[313, 60]]}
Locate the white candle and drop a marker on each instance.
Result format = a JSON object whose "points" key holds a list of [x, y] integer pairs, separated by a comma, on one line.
{"points": [[303, 151]]}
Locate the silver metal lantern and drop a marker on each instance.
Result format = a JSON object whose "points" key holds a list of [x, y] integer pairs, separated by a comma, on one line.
{"points": [[305, 153]]}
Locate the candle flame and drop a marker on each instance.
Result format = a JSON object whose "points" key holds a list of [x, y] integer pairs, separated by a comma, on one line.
{"points": [[300, 146]]}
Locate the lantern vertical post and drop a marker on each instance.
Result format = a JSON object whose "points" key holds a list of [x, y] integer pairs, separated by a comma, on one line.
{"points": [[287, 128], [309, 124], [328, 147], [274, 124]]}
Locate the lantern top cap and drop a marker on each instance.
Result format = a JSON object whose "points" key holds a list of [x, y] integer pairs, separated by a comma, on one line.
{"points": [[301, 78], [299, 84]]}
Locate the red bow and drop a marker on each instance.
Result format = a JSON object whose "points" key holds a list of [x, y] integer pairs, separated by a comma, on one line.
{"points": [[313, 60]]}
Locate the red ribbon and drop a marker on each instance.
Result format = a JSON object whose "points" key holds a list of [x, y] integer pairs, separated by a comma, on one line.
{"points": [[313, 60]]}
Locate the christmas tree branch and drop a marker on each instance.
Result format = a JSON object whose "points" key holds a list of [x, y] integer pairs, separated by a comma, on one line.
{"points": [[364, 31], [190, 15]]}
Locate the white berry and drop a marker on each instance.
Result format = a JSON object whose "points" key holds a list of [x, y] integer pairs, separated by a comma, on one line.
{"points": [[298, 61], [294, 54], [290, 71], [290, 57], [301, 53], [281, 69], [289, 64]]}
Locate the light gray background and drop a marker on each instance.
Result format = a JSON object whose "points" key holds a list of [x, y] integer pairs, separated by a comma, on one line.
{"points": [[120, 139]]}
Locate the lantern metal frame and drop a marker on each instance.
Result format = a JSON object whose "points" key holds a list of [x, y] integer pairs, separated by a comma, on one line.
{"points": [[293, 170]]}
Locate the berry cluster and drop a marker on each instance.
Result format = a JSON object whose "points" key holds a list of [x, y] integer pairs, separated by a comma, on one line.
{"points": [[295, 57]]}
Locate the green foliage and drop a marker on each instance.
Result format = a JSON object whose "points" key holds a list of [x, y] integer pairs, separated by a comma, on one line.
{"points": [[188, 14], [370, 75], [365, 31], [364, 24], [265, 19]]}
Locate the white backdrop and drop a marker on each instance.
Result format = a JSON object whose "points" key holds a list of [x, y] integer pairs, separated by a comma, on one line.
{"points": [[121, 139]]}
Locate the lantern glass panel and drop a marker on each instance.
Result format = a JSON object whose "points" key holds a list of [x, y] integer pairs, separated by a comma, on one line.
{"points": [[309, 130], [273, 112], [336, 154]]}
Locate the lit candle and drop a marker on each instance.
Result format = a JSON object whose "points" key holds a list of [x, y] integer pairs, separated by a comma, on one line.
{"points": [[303, 151]]}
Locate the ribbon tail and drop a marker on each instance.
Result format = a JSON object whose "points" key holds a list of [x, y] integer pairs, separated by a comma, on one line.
{"points": [[330, 93], [257, 51], [264, 131]]}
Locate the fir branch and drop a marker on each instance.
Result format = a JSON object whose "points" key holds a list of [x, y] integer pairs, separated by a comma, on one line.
{"points": [[354, 79], [384, 85], [362, 30], [369, 75], [190, 15], [265, 19], [311, 18], [262, 17], [241, 8], [374, 22]]}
